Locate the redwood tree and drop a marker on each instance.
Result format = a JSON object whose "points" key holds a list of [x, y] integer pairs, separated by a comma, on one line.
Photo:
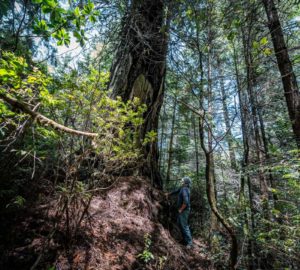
{"points": [[139, 69]]}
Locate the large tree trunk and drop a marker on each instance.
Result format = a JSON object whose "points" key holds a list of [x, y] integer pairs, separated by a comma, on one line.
{"points": [[290, 86], [139, 69]]}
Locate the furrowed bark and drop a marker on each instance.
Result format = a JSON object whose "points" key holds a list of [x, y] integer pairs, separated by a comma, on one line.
{"points": [[139, 69]]}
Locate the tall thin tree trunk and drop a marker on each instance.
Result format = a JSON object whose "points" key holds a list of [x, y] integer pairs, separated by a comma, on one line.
{"points": [[245, 163], [290, 86], [170, 150], [249, 65], [267, 156], [210, 190], [229, 135], [256, 157], [208, 150], [196, 146], [162, 137], [214, 220]]}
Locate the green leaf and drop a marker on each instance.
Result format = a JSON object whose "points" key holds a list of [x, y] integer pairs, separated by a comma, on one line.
{"points": [[231, 36], [60, 42], [255, 45], [18, 201], [77, 12], [236, 23], [46, 9], [92, 19], [78, 23], [267, 52], [88, 8], [3, 72], [50, 3], [67, 41], [263, 41], [77, 35], [189, 13], [56, 16]]}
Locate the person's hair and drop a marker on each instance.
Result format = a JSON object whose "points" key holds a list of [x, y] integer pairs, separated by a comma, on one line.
{"points": [[186, 180]]}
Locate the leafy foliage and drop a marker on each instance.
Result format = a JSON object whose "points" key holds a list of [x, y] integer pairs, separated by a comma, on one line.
{"points": [[58, 21], [146, 255], [82, 102]]}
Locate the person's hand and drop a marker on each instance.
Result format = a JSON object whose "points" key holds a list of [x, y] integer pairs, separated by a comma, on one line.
{"points": [[167, 195], [180, 211]]}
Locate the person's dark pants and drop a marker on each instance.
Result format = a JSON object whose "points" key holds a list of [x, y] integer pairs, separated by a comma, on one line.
{"points": [[182, 221]]}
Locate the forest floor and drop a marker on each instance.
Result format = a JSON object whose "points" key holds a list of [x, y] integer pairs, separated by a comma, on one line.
{"points": [[111, 238]]}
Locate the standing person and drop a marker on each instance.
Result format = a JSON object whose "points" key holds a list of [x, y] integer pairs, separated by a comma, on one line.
{"points": [[184, 208]]}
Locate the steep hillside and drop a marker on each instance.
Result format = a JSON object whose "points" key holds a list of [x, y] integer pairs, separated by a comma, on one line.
{"points": [[122, 220]]}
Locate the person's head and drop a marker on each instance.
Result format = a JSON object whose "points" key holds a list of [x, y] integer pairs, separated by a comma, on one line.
{"points": [[186, 181]]}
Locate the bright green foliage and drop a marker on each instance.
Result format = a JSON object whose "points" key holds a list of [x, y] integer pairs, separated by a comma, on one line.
{"points": [[23, 83], [18, 202], [150, 137], [58, 21], [262, 47], [116, 122], [18, 79], [80, 102], [146, 255]]}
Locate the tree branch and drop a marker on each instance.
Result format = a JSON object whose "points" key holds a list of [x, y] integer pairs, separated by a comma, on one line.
{"points": [[43, 120]]}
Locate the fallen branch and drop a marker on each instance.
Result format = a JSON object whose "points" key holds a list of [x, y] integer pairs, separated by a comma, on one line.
{"points": [[43, 120]]}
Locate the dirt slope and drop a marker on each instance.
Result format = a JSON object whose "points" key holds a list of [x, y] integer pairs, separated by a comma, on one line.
{"points": [[111, 238]]}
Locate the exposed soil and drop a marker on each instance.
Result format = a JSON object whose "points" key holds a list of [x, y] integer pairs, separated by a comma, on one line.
{"points": [[110, 239]]}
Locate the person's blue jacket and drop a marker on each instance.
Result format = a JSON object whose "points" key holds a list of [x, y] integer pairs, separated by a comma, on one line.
{"points": [[183, 197]]}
